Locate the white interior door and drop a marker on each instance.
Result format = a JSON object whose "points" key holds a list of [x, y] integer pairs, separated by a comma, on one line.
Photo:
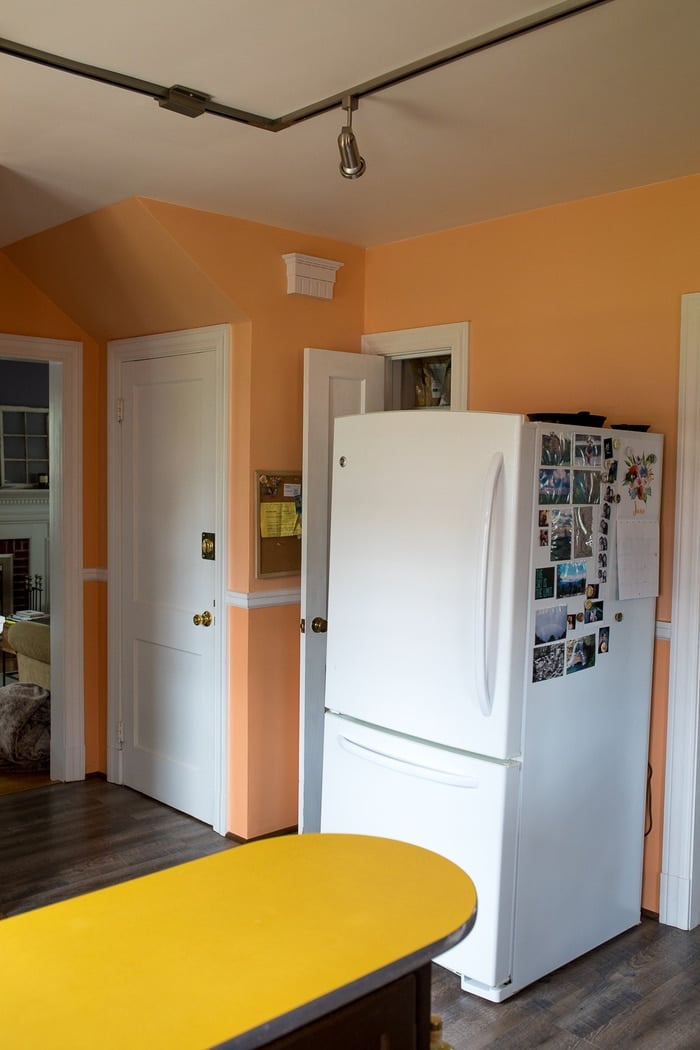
{"points": [[335, 384], [168, 664], [338, 384]]}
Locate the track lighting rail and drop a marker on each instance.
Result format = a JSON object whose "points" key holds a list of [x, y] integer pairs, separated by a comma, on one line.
{"points": [[193, 102]]}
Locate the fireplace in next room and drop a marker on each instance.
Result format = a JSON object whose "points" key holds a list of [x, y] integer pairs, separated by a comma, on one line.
{"points": [[6, 584], [19, 571]]}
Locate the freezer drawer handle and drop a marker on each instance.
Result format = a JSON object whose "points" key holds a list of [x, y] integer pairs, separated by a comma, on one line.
{"points": [[481, 625], [411, 769]]}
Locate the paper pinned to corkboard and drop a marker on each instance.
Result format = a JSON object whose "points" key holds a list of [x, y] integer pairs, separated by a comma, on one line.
{"points": [[278, 522]]}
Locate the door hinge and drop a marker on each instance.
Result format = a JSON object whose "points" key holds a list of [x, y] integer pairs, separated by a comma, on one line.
{"points": [[120, 410], [120, 736]]}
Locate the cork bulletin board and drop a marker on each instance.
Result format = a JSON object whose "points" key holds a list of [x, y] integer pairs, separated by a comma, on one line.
{"points": [[278, 522]]}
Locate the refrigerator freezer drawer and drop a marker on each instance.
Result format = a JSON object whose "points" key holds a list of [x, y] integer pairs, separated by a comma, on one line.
{"points": [[413, 769], [465, 808]]}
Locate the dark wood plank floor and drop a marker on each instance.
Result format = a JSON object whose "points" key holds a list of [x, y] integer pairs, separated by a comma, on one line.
{"points": [[66, 839], [641, 990]]}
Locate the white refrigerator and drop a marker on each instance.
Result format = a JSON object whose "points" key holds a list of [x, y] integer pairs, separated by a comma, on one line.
{"points": [[491, 620]]}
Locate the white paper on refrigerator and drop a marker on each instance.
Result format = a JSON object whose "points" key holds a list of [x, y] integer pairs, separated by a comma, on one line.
{"points": [[637, 558]]}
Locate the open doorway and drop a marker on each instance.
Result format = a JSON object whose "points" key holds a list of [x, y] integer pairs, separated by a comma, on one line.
{"points": [[25, 598], [62, 587]]}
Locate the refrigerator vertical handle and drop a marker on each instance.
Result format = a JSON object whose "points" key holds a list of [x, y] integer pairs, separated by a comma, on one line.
{"points": [[481, 624]]}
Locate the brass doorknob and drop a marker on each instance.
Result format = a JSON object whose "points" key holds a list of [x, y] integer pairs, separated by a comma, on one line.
{"points": [[319, 625], [204, 619]]}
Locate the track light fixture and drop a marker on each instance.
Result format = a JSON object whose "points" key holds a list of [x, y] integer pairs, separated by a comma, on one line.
{"points": [[352, 165], [191, 102]]}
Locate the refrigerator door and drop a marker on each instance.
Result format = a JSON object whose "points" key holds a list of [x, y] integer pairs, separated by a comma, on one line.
{"points": [[585, 740], [428, 575], [377, 783], [584, 781]]}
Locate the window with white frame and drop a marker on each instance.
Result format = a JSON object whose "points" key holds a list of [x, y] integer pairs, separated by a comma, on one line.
{"points": [[24, 447]]}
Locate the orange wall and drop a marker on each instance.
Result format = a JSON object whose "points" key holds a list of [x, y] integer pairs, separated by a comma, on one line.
{"points": [[239, 770], [273, 723], [245, 261], [572, 307], [26, 310], [142, 267], [95, 665], [653, 842], [119, 273], [263, 723]]}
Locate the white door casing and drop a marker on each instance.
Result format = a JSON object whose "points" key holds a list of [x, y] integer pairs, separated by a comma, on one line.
{"points": [[335, 384], [65, 544], [329, 392], [411, 343], [167, 703], [680, 874]]}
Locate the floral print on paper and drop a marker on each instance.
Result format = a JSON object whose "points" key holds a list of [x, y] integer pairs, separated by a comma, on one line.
{"points": [[639, 476]]}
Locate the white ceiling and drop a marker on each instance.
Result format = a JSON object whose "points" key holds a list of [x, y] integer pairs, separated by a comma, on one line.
{"points": [[604, 100]]}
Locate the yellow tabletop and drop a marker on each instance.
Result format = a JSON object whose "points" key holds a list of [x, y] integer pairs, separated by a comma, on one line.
{"points": [[207, 951]]}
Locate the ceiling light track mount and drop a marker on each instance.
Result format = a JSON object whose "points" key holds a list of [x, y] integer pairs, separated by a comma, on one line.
{"points": [[186, 101]]}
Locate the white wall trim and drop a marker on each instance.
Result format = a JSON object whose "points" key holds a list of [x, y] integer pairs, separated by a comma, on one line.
{"points": [[198, 340], [65, 542], [263, 599], [292, 596], [680, 889], [95, 576], [420, 342]]}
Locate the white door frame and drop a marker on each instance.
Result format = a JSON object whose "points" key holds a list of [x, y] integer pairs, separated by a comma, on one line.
{"points": [[423, 342], [65, 544], [680, 870], [199, 340]]}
